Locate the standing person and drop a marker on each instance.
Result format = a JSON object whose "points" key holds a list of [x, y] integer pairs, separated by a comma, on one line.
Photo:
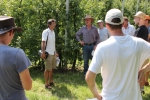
{"points": [[141, 32], [147, 24], [90, 39], [119, 67], [14, 73], [127, 28], [48, 44], [102, 31]]}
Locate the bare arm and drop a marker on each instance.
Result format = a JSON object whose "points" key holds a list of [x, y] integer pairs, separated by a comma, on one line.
{"points": [[146, 68], [90, 80], [78, 34], [142, 72], [43, 44], [26, 79]]}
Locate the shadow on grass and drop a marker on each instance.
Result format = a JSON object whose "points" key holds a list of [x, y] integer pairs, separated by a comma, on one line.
{"points": [[62, 91], [75, 77], [66, 82]]}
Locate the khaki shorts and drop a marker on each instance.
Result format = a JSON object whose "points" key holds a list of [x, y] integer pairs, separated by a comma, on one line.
{"points": [[50, 62]]}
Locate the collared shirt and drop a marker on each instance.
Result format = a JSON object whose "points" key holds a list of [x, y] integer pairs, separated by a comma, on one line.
{"points": [[88, 36], [103, 33], [50, 47], [130, 30]]}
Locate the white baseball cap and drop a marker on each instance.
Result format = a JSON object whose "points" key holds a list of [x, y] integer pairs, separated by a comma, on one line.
{"points": [[114, 13], [100, 21]]}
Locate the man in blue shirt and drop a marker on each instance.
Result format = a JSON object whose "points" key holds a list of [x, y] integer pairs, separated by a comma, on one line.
{"points": [[14, 73]]}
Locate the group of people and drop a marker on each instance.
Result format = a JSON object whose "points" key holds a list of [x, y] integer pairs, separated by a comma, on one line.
{"points": [[120, 57], [14, 75]]}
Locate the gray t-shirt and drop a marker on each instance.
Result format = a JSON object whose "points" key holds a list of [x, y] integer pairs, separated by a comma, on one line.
{"points": [[12, 62], [103, 33]]}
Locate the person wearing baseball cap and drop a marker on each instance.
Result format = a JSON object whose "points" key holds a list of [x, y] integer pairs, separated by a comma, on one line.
{"points": [[141, 32], [14, 73], [102, 31], [119, 60], [88, 38]]}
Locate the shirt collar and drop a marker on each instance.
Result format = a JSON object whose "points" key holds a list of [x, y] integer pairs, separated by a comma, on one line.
{"points": [[49, 30]]}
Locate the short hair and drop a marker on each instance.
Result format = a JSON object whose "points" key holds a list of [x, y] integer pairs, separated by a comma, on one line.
{"points": [[125, 18], [49, 22], [114, 27], [1, 35]]}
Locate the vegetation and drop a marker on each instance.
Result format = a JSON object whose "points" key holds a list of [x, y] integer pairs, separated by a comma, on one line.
{"points": [[32, 15], [69, 86]]}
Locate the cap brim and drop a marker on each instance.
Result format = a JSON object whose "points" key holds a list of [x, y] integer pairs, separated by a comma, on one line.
{"points": [[16, 29], [88, 18]]}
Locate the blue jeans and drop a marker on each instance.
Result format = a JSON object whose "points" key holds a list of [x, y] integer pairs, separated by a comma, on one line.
{"points": [[87, 50]]}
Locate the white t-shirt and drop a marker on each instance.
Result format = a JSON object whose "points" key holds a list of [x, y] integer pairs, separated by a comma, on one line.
{"points": [[50, 48], [119, 59], [130, 30]]}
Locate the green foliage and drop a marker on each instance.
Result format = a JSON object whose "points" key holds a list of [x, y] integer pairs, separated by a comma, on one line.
{"points": [[32, 15]]}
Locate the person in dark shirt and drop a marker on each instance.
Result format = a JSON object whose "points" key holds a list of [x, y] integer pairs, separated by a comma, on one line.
{"points": [[141, 32]]}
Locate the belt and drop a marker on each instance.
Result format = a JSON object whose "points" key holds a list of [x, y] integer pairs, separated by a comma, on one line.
{"points": [[88, 43]]}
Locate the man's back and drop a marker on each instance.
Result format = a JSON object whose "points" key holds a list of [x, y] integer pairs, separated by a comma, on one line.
{"points": [[121, 58], [12, 62]]}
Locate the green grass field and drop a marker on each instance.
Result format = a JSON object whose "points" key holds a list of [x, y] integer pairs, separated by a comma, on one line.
{"points": [[69, 86]]}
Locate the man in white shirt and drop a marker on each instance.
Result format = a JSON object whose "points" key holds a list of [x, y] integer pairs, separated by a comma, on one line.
{"points": [[102, 31], [118, 59], [48, 44], [127, 28]]}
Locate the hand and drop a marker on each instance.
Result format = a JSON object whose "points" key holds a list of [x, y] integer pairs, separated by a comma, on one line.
{"points": [[43, 55], [141, 77], [95, 47], [81, 42], [99, 97], [56, 54]]}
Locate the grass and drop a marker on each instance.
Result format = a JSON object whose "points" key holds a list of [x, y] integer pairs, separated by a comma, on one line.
{"points": [[69, 86]]}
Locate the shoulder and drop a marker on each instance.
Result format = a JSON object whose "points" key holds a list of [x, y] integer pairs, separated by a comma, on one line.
{"points": [[137, 39], [131, 26], [94, 27], [105, 28], [143, 27], [46, 30], [83, 27]]}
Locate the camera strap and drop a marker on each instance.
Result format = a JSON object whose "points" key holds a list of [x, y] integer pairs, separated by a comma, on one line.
{"points": [[46, 40]]}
